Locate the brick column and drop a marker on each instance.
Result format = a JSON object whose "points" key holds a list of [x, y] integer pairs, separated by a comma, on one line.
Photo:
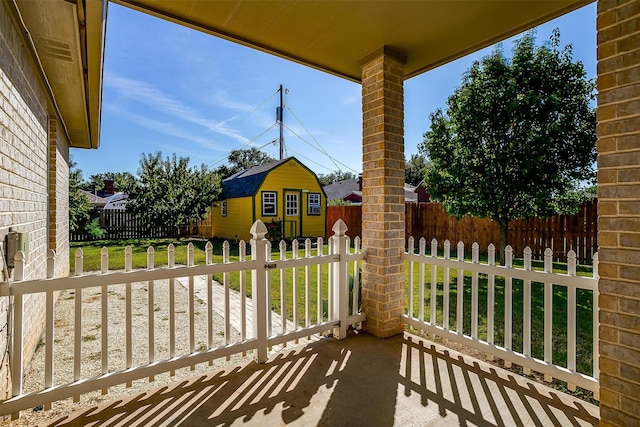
{"points": [[58, 196], [52, 187], [383, 214], [619, 210]]}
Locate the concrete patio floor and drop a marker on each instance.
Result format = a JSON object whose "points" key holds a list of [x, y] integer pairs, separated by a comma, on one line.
{"points": [[360, 381]]}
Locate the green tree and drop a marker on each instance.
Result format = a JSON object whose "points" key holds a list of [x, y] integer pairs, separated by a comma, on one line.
{"points": [[169, 192], [121, 181], [339, 202], [335, 176], [414, 169], [518, 137], [243, 159], [79, 206]]}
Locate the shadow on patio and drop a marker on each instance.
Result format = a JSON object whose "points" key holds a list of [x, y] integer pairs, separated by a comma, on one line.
{"points": [[360, 381]]}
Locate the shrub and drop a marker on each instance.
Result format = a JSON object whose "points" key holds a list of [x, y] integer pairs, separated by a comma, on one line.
{"points": [[274, 230], [94, 229]]}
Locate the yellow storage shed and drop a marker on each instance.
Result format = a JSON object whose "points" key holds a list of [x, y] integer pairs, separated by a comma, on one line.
{"points": [[284, 194]]}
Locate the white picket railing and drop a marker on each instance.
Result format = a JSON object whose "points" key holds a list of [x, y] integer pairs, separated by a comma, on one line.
{"points": [[262, 337], [458, 273]]}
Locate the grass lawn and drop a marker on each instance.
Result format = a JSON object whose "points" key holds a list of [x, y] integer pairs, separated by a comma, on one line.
{"points": [[139, 260], [139, 250], [584, 298]]}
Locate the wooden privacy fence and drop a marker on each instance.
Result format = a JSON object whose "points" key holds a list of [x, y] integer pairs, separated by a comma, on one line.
{"points": [[123, 225], [561, 233], [351, 215]]}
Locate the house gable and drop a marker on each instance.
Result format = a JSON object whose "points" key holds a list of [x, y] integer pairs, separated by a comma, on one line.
{"points": [[247, 183]]}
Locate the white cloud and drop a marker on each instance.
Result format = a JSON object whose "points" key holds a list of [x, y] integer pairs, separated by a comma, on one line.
{"points": [[152, 97], [348, 100], [160, 126]]}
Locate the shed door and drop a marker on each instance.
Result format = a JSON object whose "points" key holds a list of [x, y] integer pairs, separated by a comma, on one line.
{"points": [[292, 219]]}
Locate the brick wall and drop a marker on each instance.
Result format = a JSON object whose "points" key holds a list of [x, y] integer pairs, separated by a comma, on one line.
{"points": [[27, 190], [383, 212], [59, 196], [619, 210]]}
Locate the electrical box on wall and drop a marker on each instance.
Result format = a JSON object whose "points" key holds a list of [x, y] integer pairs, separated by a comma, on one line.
{"points": [[16, 241]]}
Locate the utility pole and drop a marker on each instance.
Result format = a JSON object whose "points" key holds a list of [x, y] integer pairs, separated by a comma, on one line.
{"points": [[279, 119]]}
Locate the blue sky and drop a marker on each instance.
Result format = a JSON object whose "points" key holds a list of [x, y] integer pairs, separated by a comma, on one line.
{"points": [[172, 89]]}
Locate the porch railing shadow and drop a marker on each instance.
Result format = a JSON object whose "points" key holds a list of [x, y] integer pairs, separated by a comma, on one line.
{"points": [[360, 381]]}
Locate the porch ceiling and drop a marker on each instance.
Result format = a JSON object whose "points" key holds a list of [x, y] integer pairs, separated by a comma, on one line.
{"points": [[335, 35]]}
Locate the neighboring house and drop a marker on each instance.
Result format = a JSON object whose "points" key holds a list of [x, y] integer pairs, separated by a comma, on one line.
{"points": [[410, 195], [282, 190], [116, 202], [50, 85], [107, 198], [350, 190], [109, 202], [422, 193], [96, 201]]}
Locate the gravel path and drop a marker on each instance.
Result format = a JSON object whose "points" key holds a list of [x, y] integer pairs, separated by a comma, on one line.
{"points": [[91, 338]]}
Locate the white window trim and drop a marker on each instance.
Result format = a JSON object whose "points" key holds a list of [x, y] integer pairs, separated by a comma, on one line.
{"points": [[317, 205], [297, 199], [274, 203]]}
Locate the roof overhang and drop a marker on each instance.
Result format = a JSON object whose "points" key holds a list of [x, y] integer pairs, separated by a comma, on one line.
{"points": [[68, 39], [335, 35]]}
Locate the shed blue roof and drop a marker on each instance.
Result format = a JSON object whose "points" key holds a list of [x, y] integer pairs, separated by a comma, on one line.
{"points": [[247, 182]]}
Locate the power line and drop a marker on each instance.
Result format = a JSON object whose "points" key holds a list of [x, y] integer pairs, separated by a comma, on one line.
{"points": [[322, 150], [317, 146], [235, 128], [251, 141], [310, 160], [334, 161]]}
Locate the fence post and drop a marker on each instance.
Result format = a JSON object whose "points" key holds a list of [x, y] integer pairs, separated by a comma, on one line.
{"points": [[16, 368], [445, 287], [411, 248], [49, 319], [208, 248], [151, 253], [508, 303], [526, 310], [434, 283], [475, 258], [259, 289], [320, 309], [77, 325], [460, 292], [171, 263], [243, 292], [491, 297], [340, 280], [104, 340], [548, 313]]}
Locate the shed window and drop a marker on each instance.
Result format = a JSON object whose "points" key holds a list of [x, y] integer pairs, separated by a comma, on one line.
{"points": [[269, 203], [291, 204], [313, 204], [223, 208]]}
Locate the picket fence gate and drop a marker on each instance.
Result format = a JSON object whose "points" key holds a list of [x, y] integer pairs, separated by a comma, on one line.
{"points": [[332, 268]]}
